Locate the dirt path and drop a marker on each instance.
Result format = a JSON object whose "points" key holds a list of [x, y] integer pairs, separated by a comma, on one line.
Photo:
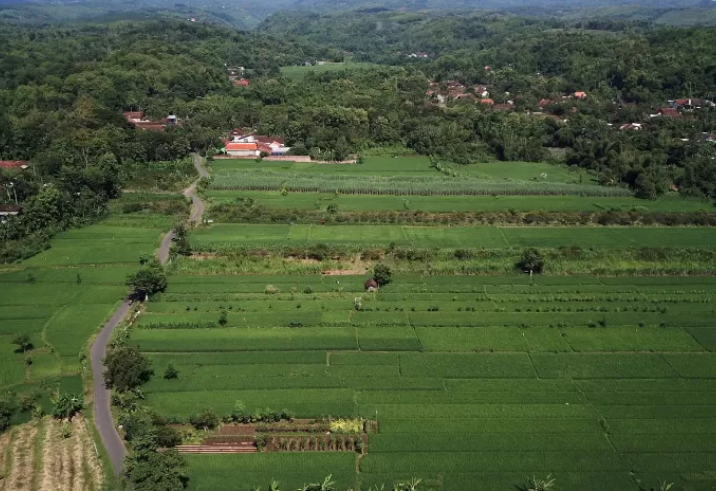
{"points": [[102, 411]]}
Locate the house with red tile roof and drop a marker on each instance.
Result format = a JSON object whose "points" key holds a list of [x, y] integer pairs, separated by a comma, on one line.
{"points": [[14, 164], [670, 112], [242, 144], [242, 82], [580, 95]]}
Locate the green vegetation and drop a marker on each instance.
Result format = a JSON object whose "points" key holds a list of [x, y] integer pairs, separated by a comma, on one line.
{"points": [[298, 72], [582, 373]]}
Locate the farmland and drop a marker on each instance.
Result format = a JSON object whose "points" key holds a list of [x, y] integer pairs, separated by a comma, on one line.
{"points": [[59, 298], [489, 380], [344, 202], [412, 176], [219, 235], [298, 72], [50, 454]]}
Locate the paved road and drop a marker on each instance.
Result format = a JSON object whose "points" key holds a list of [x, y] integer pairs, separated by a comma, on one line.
{"points": [[102, 411]]}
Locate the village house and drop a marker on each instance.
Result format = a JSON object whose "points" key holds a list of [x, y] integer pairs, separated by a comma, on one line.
{"points": [[242, 144], [631, 127], [235, 73], [241, 82], [14, 164], [139, 121], [8, 211]]}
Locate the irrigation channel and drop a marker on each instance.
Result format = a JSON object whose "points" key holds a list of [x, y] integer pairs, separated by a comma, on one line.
{"points": [[111, 439]]}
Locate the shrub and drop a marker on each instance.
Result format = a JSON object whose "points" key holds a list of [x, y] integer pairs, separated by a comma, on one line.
{"points": [[531, 260], [208, 420], [170, 373], [382, 274]]}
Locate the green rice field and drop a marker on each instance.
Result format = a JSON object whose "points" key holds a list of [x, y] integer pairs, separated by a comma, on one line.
{"points": [[222, 235], [61, 296], [312, 201], [476, 382], [298, 72]]}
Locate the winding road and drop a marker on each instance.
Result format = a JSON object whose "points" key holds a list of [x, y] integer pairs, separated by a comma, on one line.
{"points": [[111, 439]]}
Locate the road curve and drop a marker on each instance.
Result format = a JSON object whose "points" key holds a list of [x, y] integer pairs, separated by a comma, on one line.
{"points": [[111, 439]]}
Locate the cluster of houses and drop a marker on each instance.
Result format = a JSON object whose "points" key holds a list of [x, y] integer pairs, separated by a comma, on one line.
{"points": [[455, 91], [417, 54], [139, 120], [243, 144]]}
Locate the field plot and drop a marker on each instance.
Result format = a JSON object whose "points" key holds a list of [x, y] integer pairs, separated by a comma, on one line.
{"points": [[59, 298], [50, 454], [298, 72], [385, 166], [220, 235], [346, 202], [475, 382]]}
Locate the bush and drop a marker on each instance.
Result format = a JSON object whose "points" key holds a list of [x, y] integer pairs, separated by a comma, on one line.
{"points": [[208, 420], [171, 373], [531, 260], [382, 274]]}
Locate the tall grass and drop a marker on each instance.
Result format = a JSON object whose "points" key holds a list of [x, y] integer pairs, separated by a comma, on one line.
{"points": [[266, 180]]}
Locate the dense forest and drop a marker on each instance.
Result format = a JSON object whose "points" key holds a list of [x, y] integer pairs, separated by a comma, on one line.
{"points": [[63, 91]]}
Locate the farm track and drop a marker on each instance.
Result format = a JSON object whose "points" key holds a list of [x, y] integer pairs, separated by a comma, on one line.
{"points": [[102, 410]]}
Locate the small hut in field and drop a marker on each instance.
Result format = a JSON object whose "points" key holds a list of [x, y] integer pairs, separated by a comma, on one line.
{"points": [[371, 285]]}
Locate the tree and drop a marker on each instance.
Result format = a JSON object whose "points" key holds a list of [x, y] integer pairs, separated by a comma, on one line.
{"points": [[67, 406], [155, 471], [208, 420], [170, 372], [382, 274], [531, 261], [181, 238], [223, 318], [147, 281], [126, 368], [6, 412], [22, 339]]}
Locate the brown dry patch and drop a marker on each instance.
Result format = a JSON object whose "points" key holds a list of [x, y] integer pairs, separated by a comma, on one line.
{"points": [[203, 256], [4, 449], [69, 463], [22, 464], [343, 272]]}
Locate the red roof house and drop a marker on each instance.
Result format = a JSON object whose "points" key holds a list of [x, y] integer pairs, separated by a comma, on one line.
{"points": [[242, 82], [489, 102], [669, 111], [545, 102], [14, 164]]}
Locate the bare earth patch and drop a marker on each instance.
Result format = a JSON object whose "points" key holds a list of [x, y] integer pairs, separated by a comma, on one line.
{"points": [[67, 459], [22, 464]]}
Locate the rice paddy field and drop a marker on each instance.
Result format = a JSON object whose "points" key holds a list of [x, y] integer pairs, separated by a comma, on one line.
{"points": [[223, 236], [346, 202], [412, 176], [60, 297], [298, 72], [476, 382]]}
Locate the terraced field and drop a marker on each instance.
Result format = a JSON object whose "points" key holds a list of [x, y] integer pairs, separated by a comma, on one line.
{"points": [[60, 297], [220, 236], [476, 382]]}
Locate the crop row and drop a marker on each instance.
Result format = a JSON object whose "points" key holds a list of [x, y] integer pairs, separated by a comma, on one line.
{"points": [[411, 186]]}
